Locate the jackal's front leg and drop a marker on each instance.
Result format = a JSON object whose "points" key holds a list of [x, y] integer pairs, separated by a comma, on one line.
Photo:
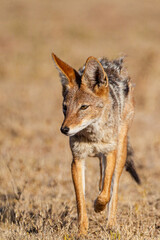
{"points": [[78, 180], [120, 162], [104, 196]]}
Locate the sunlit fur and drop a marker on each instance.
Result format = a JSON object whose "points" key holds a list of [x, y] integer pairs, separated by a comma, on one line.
{"points": [[77, 119], [100, 130]]}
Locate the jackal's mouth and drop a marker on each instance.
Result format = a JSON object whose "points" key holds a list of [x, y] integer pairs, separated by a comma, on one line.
{"points": [[74, 130], [70, 132], [66, 131]]}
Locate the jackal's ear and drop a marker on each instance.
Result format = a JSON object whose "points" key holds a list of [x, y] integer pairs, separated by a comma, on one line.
{"points": [[68, 74], [94, 75]]}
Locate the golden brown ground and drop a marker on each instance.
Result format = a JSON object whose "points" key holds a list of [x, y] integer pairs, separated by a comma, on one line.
{"points": [[36, 192]]}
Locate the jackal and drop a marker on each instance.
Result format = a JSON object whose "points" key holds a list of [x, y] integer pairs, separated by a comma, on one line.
{"points": [[98, 109]]}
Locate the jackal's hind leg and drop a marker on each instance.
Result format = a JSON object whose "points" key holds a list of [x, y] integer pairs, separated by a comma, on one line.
{"points": [[102, 166], [104, 196], [100, 180]]}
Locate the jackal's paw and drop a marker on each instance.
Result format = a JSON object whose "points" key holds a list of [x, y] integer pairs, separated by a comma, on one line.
{"points": [[83, 228], [100, 203]]}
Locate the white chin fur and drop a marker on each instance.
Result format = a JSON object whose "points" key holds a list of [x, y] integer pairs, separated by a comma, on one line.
{"points": [[77, 129]]}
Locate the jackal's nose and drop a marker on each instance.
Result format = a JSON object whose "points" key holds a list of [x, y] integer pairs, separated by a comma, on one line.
{"points": [[64, 130]]}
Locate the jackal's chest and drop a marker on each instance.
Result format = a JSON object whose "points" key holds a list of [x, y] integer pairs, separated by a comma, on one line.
{"points": [[92, 144], [82, 149], [97, 138]]}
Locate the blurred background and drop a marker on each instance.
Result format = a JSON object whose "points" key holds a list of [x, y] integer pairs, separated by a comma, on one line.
{"points": [[36, 192]]}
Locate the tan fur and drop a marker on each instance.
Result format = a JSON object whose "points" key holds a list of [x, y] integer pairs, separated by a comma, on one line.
{"points": [[100, 131], [104, 196], [76, 169], [65, 68]]}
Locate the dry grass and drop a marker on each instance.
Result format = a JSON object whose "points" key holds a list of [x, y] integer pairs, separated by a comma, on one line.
{"points": [[36, 193]]}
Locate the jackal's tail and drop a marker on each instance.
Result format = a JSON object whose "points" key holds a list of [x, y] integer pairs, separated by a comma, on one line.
{"points": [[129, 165]]}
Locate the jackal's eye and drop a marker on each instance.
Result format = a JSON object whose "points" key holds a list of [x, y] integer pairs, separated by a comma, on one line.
{"points": [[84, 107], [64, 109]]}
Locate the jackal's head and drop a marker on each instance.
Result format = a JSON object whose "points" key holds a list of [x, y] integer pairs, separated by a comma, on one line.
{"points": [[84, 95]]}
